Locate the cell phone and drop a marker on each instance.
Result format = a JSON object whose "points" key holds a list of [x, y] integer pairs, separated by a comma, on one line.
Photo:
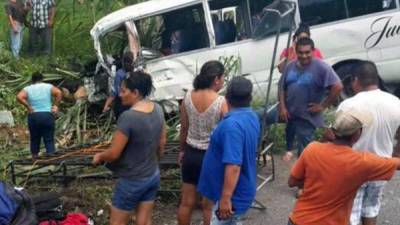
{"points": [[217, 213]]}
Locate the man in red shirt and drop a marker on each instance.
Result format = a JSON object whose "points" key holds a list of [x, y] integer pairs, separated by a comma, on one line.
{"points": [[331, 173]]}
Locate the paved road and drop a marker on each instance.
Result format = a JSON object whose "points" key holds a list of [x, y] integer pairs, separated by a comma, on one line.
{"points": [[279, 199]]}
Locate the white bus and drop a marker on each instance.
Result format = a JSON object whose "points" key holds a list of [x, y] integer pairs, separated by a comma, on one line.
{"points": [[183, 34], [350, 30]]}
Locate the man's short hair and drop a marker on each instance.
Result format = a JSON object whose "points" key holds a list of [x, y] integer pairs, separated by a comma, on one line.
{"points": [[239, 92], [305, 41], [366, 73], [127, 61]]}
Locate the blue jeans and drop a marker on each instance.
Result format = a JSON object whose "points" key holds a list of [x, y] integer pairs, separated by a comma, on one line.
{"points": [[234, 220], [302, 131], [129, 193], [271, 118], [41, 125], [16, 39]]}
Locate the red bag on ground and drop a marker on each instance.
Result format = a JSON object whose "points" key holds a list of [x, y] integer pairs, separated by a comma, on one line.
{"points": [[70, 219]]}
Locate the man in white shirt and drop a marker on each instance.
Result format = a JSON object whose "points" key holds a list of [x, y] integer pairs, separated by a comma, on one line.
{"points": [[378, 138]]}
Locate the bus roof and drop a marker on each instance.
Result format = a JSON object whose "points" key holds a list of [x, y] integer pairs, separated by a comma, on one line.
{"points": [[113, 20]]}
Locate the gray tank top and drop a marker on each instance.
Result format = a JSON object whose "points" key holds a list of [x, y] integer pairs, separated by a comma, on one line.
{"points": [[201, 124], [139, 157]]}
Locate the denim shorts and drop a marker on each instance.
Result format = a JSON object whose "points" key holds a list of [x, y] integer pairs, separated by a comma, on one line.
{"points": [[128, 193]]}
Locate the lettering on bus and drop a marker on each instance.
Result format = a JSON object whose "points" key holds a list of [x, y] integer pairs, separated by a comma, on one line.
{"points": [[381, 28]]}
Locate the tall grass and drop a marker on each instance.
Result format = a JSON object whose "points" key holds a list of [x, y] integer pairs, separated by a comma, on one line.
{"points": [[71, 43], [73, 22]]}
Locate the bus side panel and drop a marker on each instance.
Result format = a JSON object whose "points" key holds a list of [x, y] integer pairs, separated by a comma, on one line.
{"points": [[255, 58], [372, 37]]}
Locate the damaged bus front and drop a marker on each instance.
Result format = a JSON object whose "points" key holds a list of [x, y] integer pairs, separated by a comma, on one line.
{"points": [[171, 39]]}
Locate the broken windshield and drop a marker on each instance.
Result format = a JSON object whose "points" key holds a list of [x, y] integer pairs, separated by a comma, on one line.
{"points": [[115, 43]]}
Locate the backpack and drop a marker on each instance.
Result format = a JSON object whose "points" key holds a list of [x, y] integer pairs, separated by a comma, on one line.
{"points": [[26, 212], [8, 206], [16, 206], [49, 206]]}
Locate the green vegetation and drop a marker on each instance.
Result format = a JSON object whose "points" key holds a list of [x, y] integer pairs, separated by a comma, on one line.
{"points": [[74, 19], [72, 48]]}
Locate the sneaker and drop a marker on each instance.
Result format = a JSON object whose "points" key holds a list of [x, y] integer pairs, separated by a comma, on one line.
{"points": [[50, 154], [34, 157]]}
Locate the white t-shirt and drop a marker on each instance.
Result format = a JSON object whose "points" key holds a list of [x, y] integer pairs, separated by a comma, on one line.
{"points": [[378, 137]]}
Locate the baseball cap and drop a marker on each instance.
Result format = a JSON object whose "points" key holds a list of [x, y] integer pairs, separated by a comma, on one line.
{"points": [[347, 122]]}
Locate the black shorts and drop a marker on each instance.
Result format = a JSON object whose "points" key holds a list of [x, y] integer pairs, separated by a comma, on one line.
{"points": [[191, 164]]}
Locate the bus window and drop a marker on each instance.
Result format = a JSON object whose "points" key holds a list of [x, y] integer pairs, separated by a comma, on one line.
{"points": [[266, 22], [256, 10], [364, 7], [315, 12], [174, 32], [230, 21]]}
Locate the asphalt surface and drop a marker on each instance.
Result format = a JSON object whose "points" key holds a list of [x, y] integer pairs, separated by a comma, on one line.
{"points": [[279, 199]]}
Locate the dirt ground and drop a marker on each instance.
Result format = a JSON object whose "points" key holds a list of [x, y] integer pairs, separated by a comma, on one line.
{"points": [[93, 199], [276, 195]]}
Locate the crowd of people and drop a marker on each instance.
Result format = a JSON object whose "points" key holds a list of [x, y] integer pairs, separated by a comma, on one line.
{"points": [[340, 178], [40, 25], [343, 179]]}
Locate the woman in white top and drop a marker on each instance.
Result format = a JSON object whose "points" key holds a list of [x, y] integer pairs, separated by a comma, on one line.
{"points": [[201, 110]]}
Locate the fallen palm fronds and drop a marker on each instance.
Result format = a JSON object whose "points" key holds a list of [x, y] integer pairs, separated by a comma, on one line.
{"points": [[77, 125]]}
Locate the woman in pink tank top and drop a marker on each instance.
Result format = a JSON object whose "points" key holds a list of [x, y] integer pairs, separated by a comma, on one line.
{"points": [[201, 110]]}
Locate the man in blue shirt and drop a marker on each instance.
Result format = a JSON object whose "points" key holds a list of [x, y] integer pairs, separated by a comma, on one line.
{"points": [[308, 87], [228, 175], [127, 66]]}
